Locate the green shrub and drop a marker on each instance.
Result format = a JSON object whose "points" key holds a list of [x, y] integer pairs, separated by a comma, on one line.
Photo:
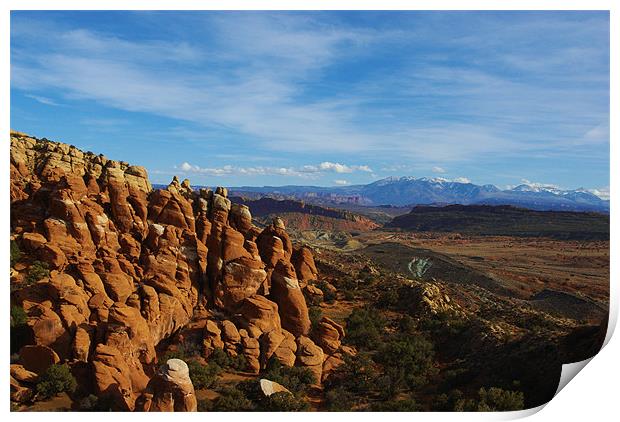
{"points": [[347, 283], [225, 361], [348, 294], [492, 400], [37, 271], [296, 379], [232, 400], [407, 360], [364, 327], [315, 313], [285, 402], [205, 405], [388, 299], [447, 402], [407, 405], [219, 357], [407, 325], [18, 317], [16, 253], [239, 363], [340, 400], [55, 380], [448, 328], [453, 378], [92, 403], [203, 376], [20, 334], [358, 375]]}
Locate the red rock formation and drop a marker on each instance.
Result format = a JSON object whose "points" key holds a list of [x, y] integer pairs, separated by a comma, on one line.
{"points": [[129, 266]]}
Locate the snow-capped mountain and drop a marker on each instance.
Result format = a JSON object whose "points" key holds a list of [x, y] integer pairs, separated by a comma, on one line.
{"points": [[404, 191]]}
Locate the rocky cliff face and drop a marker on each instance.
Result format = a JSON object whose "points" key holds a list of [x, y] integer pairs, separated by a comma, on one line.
{"points": [[131, 266]]}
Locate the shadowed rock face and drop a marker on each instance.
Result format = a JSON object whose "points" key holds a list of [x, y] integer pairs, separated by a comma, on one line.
{"points": [[128, 266]]}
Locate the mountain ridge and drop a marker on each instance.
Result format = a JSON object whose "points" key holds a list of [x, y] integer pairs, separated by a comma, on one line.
{"points": [[411, 191]]}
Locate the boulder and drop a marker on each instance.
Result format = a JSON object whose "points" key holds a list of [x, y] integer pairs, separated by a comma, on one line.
{"points": [[291, 302], [23, 375], [37, 358], [303, 261], [328, 335], [311, 356], [258, 312], [271, 387], [170, 390]]}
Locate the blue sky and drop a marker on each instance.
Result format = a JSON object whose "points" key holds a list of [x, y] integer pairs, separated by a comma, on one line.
{"points": [[322, 98]]}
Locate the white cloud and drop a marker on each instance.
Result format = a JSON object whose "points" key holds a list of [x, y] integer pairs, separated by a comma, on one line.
{"points": [[342, 168], [187, 167], [306, 171], [252, 77], [461, 180], [341, 182], [539, 184], [602, 193], [438, 170]]}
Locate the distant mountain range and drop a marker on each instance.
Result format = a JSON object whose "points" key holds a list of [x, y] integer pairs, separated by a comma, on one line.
{"points": [[411, 191]]}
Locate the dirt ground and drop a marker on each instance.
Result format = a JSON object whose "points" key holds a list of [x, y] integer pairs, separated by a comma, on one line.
{"points": [[528, 265]]}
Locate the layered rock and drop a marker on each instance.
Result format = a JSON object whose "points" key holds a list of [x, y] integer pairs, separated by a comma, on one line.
{"points": [[129, 266]]}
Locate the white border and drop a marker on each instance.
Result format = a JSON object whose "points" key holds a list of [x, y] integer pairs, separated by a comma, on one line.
{"points": [[590, 397]]}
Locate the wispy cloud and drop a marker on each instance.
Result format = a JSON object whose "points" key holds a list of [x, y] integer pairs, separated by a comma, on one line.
{"points": [[42, 100], [341, 182], [446, 88]]}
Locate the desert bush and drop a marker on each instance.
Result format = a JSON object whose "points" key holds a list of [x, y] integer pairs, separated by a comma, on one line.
{"points": [[447, 402], [92, 403], [20, 334], [453, 378], [297, 379], [448, 330], [492, 400], [205, 405], [284, 402], [406, 405], [358, 375], [388, 299], [18, 316], [55, 380], [16, 253], [232, 399], [407, 325], [347, 283], [37, 271], [340, 400], [183, 351], [315, 313], [225, 361], [364, 327], [348, 294], [203, 376], [407, 360]]}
